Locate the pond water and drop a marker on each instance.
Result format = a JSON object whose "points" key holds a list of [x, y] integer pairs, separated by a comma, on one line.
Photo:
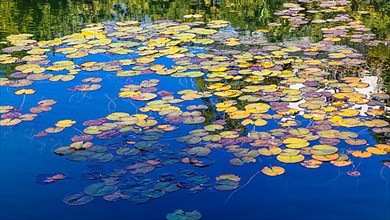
{"points": [[222, 109]]}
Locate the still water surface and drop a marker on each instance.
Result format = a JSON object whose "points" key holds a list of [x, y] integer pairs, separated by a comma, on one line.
{"points": [[301, 193]]}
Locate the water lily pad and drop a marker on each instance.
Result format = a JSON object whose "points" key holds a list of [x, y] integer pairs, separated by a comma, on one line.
{"points": [[10, 122], [273, 171], [198, 151], [25, 92], [290, 159], [323, 150], [65, 123], [99, 189], [154, 194], [78, 199], [182, 215], [326, 157], [226, 185]]}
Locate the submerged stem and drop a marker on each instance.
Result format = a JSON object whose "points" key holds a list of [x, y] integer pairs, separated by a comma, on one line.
{"points": [[250, 179], [109, 104], [78, 130], [24, 99], [136, 107]]}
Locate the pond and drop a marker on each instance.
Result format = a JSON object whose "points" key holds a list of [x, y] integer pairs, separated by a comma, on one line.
{"points": [[245, 109]]}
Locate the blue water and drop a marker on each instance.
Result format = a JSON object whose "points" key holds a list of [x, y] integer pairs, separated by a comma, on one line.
{"points": [[301, 193]]}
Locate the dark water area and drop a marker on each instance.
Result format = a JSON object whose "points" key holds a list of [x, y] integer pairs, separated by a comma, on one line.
{"points": [[160, 87]]}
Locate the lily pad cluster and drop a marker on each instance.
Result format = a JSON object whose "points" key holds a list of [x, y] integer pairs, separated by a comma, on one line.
{"points": [[182, 215], [119, 184], [11, 115]]}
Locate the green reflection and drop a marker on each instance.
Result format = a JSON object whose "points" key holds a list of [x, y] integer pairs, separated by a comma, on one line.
{"points": [[53, 18], [47, 19]]}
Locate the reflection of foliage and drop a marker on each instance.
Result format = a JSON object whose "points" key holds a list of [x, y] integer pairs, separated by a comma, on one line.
{"points": [[48, 18], [250, 14], [379, 59], [382, 138], [7, 69], [378, 19], [212, 115], [272, 80]]}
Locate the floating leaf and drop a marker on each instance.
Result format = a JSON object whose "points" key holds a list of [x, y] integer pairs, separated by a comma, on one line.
{"points": [[323, 149], [99, 189], [181, 215], [25, 92], [326, 157], [290, 159], [78, 199], [10, 122], [361, 154], [65, 123], [273, 171]]}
